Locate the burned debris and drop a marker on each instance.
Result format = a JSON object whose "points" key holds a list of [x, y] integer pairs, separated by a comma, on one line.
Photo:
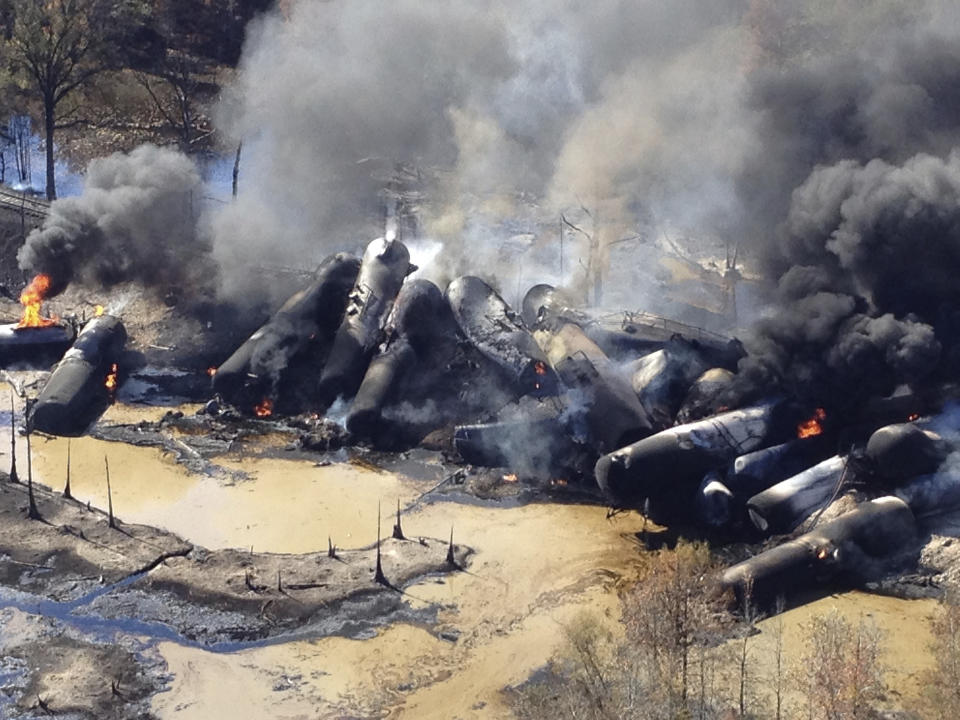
{"points": [[857, 546], [647, 414], [34, 340], [418, 333], [643, 413], [34, 345], [500, 335]]}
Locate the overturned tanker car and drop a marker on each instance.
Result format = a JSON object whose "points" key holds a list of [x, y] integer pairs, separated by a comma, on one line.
{"points": [[289, 347], [420, 337], [34, 346], [82, 383], [383, 268]]}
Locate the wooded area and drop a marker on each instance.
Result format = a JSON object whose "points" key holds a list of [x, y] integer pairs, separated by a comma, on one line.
{"points": [[94, 76]]}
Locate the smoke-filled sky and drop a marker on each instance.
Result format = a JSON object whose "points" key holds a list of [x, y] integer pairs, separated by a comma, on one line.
{"points": [[818, 137], [605, 104]]}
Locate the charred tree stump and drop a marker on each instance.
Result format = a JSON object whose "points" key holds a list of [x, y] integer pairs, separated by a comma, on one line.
{"points": [[397, 529], [66, 488], [378, 576], [112, 523], [451, 555], [14, 478], [33, 512]]}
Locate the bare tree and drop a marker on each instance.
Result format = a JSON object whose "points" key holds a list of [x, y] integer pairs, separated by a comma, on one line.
{"points": [[844, 673], [674, 619], [778, 668], [747, 628], [943, 681], [177, 86], [58, 46], [677, 608]]}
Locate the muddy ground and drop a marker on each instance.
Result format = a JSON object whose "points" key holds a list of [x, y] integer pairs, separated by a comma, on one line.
{"points": [[71, 570], [215, 596]]}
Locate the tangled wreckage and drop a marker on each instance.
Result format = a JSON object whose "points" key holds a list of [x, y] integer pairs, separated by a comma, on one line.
{"points": [[646, 411]]}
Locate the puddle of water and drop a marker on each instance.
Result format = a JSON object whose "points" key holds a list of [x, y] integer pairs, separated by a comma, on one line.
{"points": [[535, 566], [287, 506]]}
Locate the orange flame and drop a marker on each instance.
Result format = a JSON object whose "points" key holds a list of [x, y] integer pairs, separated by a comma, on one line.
{"points": [[812, 427], [211, 371], [98, 311], [510, 478], [540, 369], [110, 383], [264, 409], [913, 416], [31, 298]]}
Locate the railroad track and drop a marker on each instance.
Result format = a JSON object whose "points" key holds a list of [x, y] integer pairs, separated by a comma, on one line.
{"points": [[22, 203]]}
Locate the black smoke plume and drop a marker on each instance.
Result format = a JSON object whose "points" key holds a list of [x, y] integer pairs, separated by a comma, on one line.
{"points": [[136, 220], [851, 199]]}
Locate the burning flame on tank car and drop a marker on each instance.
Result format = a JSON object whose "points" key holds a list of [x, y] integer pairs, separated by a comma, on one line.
{"points": [[812, 426], [110, 383], [32, 298]]}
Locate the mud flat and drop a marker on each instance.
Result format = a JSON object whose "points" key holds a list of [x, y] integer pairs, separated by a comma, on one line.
{"points": [[536, 566], [48, 669], [72, 550], [75, 558]]}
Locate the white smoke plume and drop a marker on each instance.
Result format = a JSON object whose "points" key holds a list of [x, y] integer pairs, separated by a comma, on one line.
{"points": [[510, 113]]}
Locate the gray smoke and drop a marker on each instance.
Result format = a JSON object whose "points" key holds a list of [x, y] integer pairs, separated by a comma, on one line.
{"points": [[938, 493], [817, 137], [495, 106], [136, 220]]}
